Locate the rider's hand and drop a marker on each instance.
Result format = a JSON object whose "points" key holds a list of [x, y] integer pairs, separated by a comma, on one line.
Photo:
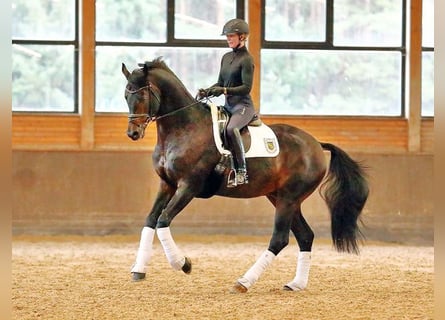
{"points": [[215, 91], [202, 93]]}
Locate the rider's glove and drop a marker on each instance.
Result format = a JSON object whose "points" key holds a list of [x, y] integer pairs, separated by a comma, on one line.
{"points": [[202, 93], [215, 91]]}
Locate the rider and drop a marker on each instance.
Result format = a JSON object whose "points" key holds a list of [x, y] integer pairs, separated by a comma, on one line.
{"points": [[235, 82]]}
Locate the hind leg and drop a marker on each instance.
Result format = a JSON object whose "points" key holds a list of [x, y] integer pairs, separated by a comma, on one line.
{"points": [[305, 237], [279, 240]]}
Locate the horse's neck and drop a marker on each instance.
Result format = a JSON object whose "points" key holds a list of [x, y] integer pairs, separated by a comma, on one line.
{"points": [[179, 105], [175, 95], [182, 115], [191, 114]]}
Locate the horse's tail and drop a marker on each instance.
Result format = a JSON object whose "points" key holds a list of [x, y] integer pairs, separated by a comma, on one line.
{"points": [[345, 191]]}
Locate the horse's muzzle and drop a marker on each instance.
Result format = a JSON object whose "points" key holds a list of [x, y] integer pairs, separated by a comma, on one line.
{"points": [[133, 135], [135, 132]]}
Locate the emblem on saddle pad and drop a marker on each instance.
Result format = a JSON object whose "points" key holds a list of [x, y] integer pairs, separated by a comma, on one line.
{"points": [[264, 142], [271, 145]]}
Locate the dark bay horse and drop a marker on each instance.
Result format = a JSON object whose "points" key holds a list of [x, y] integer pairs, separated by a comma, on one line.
{"points": [[185, 157]]}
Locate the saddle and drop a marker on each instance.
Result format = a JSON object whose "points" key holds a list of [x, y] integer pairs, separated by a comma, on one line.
{"points": [[223, 117], [258, 139]]}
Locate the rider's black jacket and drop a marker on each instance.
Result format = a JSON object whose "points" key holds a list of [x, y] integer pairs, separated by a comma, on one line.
{"points": [[236, 74]]}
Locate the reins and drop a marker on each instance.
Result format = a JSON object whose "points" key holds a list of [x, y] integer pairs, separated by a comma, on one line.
{"points": [[153, 118]]}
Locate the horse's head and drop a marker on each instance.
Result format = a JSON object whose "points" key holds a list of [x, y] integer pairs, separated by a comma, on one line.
{"points": [[143, 100]]}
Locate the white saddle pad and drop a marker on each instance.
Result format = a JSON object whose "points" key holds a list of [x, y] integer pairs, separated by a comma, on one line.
{"points": [[264, 142]]}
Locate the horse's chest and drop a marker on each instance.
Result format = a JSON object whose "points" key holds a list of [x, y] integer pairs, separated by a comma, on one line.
{"points": [[174, 159]]}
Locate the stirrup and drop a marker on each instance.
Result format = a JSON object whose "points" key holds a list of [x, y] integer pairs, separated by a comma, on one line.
{"points": [[237, 178], [241, 176], [231, 179]]}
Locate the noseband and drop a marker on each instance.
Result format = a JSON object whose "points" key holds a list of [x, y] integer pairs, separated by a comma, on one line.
{"points": [[149, 117]]}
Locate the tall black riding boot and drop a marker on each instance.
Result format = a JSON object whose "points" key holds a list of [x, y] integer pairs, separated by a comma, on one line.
{"points": [[238, 150]]}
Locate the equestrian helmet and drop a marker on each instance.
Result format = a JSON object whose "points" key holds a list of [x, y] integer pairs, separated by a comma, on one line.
{"points": [[238, 26]]}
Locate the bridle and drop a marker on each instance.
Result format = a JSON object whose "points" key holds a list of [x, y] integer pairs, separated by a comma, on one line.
{"points": [[148, 116]]}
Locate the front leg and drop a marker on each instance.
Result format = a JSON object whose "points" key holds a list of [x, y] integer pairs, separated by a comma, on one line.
{"points": [[183, 195], [144, 253]]}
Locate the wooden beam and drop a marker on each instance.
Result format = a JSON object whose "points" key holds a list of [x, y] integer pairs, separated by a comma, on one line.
{"points": [[415, 76], [254, 45], [86, 70]]}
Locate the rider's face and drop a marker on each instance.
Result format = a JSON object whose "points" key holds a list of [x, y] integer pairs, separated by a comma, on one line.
{"points": [[233, 40]]}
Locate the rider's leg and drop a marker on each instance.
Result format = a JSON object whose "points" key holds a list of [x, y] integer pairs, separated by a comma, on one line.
{"points": [[238, 151], [238, 120]]}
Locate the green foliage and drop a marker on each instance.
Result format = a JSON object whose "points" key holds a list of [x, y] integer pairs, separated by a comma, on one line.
{"points": [[295, 20], [309, 82], [330, 82], [123, 20], [196, 67], [43, 78], [205, 22], [428, 84], [43, 19]]}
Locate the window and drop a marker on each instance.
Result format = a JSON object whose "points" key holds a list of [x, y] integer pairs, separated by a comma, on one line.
{"points": [[205, 22], [295, 20], [44, 55], [333, 58], [110, 81], [133, 32], [318, 57], [427, 58]]}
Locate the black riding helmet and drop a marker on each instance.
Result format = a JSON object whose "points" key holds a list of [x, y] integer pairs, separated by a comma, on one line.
{"points": [[238, 26]]}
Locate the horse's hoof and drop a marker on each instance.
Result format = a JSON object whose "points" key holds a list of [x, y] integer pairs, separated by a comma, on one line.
{"points": [[137, 276], [287, 288], [238, 288], [187, 267]]}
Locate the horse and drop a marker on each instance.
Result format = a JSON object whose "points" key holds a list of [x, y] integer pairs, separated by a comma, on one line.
{"points": [[185, 157]]}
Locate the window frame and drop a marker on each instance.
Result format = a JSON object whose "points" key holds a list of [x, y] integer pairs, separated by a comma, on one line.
{"points": [[90, 131], [328, 44], [76, 69], [425, 49], [171, 41]]}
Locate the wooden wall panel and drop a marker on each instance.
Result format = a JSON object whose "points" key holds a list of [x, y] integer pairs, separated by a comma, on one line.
{"points": [[427, 136], [47, 132], [63, 132], [89, 131], [362, 135], [111, 193], [354, 134], [111, 134]]}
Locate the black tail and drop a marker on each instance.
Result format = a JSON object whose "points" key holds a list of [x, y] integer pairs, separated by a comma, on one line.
{"points": [[345, 191]]}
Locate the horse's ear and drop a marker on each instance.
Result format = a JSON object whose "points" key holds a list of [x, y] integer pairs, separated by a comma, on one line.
{"points": [[125, 71], [145, 66]]}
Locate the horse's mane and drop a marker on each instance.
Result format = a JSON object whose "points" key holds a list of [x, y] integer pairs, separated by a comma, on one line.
{"points": [[155, 63], [159, 63]]}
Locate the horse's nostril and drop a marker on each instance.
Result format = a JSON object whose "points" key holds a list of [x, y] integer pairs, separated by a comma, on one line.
{"points": [[133, 135]]}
